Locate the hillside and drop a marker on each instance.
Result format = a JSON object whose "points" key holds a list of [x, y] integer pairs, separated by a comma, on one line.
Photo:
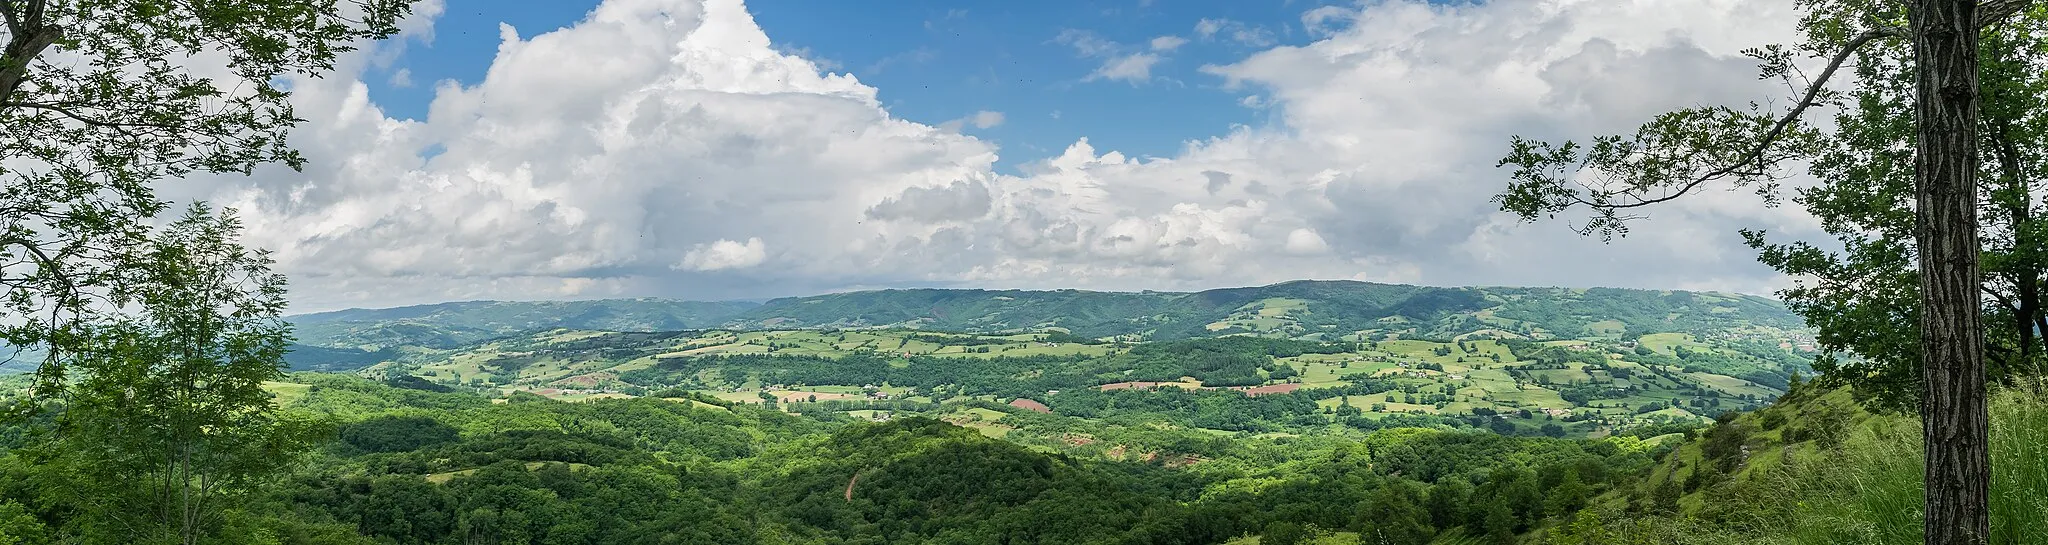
{"points": [[1295, 309], [412, 466], [1591, 386], [1303, 309], [1352, 354], [1816, 467], [448, 325]]}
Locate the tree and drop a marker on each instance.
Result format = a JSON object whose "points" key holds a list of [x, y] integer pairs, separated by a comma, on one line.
{"points": [[170, 421], [1448, 502], [1568, 496], [101, 98], [1864, 202], [1680, 152], [1281, 532], [1664, 498], [1500, 523], [1394, 514]]}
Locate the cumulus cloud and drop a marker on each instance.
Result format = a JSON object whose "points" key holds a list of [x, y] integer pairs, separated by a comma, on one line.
{"points": [[1305, 241], [656, 146], [1119, 62], [725, 254], [959, 201], [984, 119]]}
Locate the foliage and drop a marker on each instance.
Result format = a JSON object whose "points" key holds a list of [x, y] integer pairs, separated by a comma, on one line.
{"points": [[1864, 299], [169, 423], [1863, 486], [103, 98]]}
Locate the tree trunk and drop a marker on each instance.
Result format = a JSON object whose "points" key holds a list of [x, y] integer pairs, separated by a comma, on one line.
{"points": [[1952, 409]]}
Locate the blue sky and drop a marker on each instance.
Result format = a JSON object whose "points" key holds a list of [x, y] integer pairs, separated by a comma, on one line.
{"points": [[937, 61], [693, 148]]}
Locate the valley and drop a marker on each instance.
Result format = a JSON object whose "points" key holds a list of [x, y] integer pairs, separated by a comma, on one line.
{"points": [[1521, 361]]}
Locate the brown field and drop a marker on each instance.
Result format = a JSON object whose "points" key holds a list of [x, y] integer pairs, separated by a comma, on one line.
{"points": [[786, 396], [1027, 403], [1256, 391], [1145, 384]]}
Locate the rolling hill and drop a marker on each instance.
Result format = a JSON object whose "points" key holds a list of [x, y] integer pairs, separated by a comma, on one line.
{"points": [[1320, 353], [1303, 309]]}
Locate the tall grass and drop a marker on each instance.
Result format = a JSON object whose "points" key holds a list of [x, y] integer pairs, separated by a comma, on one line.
{"points": [[2019, 464], [1866, 491], [1872, 494], [1876, 495]]}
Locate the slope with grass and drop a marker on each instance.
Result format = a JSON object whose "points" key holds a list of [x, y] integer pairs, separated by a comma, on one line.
{"points": [[1816, 468]]}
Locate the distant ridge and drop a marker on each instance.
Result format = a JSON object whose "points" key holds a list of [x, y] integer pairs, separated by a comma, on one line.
{"points": [[1301, 308]]}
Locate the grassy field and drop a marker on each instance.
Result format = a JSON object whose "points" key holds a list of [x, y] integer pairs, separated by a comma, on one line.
{"points": [[1666, 343], [286, 393], [1474, 373], [985, 421]]}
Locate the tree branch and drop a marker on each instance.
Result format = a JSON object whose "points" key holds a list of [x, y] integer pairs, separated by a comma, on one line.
{"points": [[1756, 151], [13, 18], [2007, 302], [67, 112], [1990, 12], [27, 37]]}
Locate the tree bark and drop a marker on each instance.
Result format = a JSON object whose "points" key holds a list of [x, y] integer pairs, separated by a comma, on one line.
{"points": [[1955, 422]]}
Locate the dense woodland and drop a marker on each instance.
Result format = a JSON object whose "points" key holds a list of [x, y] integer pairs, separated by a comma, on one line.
{"points": [[413, 466], [410, 465]]}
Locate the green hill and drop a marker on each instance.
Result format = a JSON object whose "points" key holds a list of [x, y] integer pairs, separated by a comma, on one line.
{"points": [[1308, 309], [447, 325], [1356, 354], [1815, 467]]}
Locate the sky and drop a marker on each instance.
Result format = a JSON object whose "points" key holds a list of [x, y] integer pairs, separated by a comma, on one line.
{"points": [[714, 149]]}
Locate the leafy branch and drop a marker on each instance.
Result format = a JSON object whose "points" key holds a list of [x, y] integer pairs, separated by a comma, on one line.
{"points": [[1679, 153]]}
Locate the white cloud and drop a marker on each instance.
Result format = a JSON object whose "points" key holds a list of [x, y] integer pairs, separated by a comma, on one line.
{"points": [[725, 254], [1134, 68], [1088, 44], [401, 78], [1119, 62], [1324, 21], [984, 119], [589, 158], [1305, 241], [1246, 34]]}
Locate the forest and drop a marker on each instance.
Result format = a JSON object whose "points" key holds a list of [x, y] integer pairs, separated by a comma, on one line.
{"points": [[155, 391]]}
